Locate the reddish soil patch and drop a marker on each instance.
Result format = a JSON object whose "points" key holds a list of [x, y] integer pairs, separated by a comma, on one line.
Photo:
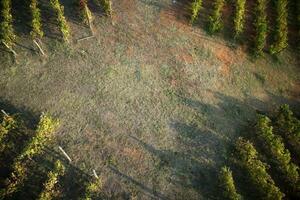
{"points": [[175, 15], [226, 57], [187, 58], [133, 153]]}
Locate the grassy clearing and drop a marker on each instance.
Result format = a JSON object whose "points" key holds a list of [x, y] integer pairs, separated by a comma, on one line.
{"points": [[148, 102]]}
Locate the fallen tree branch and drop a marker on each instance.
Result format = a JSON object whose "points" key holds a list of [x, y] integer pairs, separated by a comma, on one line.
{"points": [[85, 38], [89, 18], [10, 49], [39, 47], [65, 154], [4, 113], [95, 174]]}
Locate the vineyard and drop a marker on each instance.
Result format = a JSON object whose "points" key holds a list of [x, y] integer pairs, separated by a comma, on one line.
{"points": [[272, 159], [27, 163], [149, 99], [263, 29]]}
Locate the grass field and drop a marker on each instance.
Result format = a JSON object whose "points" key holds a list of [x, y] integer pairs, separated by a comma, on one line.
{"points": [[151, 103]]}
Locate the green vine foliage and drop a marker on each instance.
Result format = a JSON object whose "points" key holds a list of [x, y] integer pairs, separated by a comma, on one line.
{"points": [[16, 179], [50, 190], [44, 133], [215, 20], [288, 126], [275, 148], [7, 34], [36, 21], [64, 28], [86, 14], [106, 5], [8, 123], [92, 188], [196, 6], [247, 158], [287, 122], [227, 184], [281, 34], [239, 17], [261, 27]]}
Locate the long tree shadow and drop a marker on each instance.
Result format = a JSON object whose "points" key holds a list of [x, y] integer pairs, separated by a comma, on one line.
{"points": [[231, 118], [72, 184], [190, 169], [146, 190], [16, 139]]}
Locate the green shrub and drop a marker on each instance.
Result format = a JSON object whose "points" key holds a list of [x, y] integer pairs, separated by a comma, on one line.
{"points": [[92, 188], [64, 28], [36, 21], [247, 158], [7, 34], [239, 17], [227, 184], [261, 27], [196, 6], [215, 20], [275, 148], [281, 34], [50, 191]]}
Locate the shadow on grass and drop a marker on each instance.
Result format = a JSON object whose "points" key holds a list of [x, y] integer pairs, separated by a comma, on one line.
{"points": [[22, 17], [148, 191], [231, 112], [189, 169], [30, 118], [72, 184]]}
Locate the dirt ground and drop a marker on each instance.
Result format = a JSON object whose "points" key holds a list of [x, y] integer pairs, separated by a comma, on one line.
{"points": [[151, 103]]}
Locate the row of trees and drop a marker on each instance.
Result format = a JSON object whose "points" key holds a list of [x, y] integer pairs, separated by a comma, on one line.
{"points": [[107, 6], [30, 155], [281, 32], [272, 157], [8, 124], [239, 17], [275, 149], [215, 23], [50, 191], [248, 160], [196, 6], [63, 25], [261, 27], [7, 35], [35, 146], [288, 126], [86, 14], [215, 20], [36, 21], [227, 184]]}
